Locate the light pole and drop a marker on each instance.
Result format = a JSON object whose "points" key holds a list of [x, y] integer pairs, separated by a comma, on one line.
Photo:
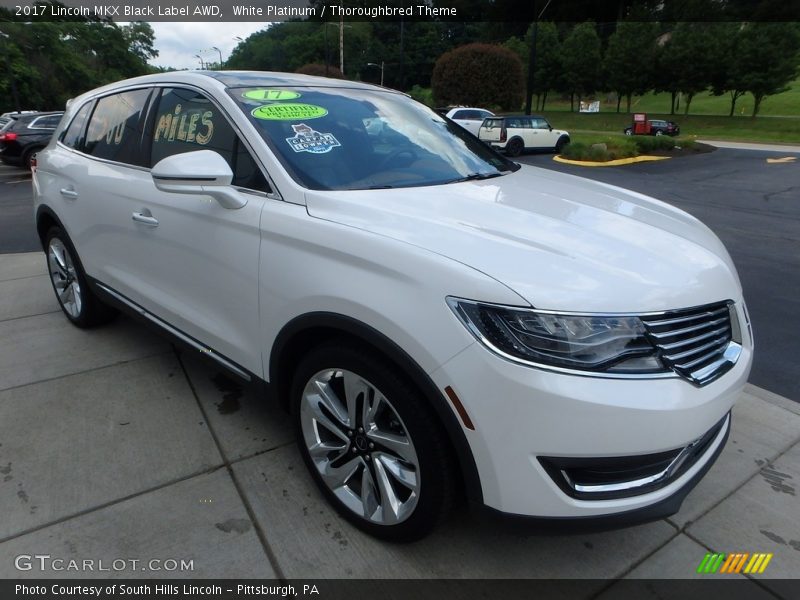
{"points": [[220, 56], [381, 68], [532, 61], [202, 64]]}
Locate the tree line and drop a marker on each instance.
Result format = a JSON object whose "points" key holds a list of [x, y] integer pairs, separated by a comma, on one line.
{"points": [[682, 58], [43, 64]]}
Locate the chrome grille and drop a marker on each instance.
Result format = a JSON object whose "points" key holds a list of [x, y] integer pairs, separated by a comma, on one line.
{"points": [[698, 343]]}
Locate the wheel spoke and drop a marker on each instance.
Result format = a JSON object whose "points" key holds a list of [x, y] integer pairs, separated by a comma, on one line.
{"points": [[332, 402], [336, 477], [76, 296], [315, 401], [369, 494], [396, 444], [57, 252], [399, 470], [353, 387], [65, 294], [322, 450], [390, 503]]}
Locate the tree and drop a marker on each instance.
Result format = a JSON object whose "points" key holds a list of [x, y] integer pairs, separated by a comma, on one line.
{"points": [[630, 59], [726, 75], [139, 37], [580, 58], [548, 60], [767, 58], [479, 75]]}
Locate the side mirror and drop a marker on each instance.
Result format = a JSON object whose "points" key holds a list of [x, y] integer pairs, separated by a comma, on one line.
{"points": [[199, 172]]}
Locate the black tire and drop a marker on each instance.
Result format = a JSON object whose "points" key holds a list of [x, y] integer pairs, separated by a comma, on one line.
{"points": [[562, 141], [88, 310], [629, 131], [414, 420], [659, 132], [28, 157], [515, 147]]}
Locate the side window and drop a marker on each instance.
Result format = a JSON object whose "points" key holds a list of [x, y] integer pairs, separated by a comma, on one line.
{"points": [[460, 114], [73, 135], [48, 122], [115, 128], [185, 121]]}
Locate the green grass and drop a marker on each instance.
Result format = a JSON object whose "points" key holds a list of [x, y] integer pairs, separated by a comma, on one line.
{"points": [[785, 104], [778, 120], [744, 129]]}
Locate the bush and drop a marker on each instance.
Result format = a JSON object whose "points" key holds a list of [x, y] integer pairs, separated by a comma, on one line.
{"points": [[421, 94], [650, 143], [614, 149], [479, 75], [320, 70]]}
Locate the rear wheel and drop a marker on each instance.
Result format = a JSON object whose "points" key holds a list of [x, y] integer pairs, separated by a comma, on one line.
{"points": [[515, 147], [371, 442], [659, 132], [629, 131], [77, 301]]}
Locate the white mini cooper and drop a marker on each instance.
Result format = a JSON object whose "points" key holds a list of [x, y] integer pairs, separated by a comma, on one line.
{"points": [[443, 324]]}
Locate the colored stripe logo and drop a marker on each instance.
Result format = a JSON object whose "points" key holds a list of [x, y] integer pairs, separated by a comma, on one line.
{"points": [[737, 562]]}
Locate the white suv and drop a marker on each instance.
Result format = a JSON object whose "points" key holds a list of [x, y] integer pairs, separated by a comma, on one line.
{"points": [[469, 118], [443, 323]]}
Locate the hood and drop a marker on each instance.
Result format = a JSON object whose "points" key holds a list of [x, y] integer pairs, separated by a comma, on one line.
{"points": [[561, 242]]}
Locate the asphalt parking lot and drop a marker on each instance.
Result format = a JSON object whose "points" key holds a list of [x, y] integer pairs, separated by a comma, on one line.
{"points": [[752, 205], [113, 445]]}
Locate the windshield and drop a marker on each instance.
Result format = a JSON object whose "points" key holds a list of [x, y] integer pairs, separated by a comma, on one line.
{"points": [[347, 139]]}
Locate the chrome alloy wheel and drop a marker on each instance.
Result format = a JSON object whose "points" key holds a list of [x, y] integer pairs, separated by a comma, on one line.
{"points": [[360, 446], [64, 277]]}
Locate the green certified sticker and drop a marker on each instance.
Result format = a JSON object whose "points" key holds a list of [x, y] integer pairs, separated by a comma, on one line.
{"points": [[289, 111], [270, 94]]}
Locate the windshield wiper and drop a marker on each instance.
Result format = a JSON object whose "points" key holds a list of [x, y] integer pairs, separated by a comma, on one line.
{"points": [[477, 177]]}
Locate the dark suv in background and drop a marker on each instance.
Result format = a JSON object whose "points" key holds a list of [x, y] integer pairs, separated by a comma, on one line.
{"points": [[659, 127], [25, 134]]}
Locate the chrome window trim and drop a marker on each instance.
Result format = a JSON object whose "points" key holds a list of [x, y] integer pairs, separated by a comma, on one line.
{"points": [[273, 195], [32, 124]]}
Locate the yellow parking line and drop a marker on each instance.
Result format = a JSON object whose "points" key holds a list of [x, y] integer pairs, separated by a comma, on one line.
{"points": [[609, 163]]}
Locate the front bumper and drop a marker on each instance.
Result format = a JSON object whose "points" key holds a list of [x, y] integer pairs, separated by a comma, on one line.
{"points": [[522, 414]]}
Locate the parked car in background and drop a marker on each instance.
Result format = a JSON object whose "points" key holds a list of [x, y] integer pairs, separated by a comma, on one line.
{"points": [[469, 118], [441, 322], [515, 133], [25, 134], [659, 127]]}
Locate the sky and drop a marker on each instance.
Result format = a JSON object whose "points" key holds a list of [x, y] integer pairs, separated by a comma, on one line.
{"points": [[177, 43]]}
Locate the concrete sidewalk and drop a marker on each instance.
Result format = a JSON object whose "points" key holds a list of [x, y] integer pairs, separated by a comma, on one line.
{"points": [[112, 446], [790, 148]]}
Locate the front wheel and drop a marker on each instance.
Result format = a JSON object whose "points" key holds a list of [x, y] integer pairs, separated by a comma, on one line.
{"points": [[80, 306], [562, 141], [371, 443]]}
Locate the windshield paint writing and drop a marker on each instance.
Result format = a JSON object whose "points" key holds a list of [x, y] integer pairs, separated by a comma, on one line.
{"points": [[191, 126]]}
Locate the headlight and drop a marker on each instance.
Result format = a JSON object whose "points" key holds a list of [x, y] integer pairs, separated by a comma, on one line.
{"points": [[599, 343]]}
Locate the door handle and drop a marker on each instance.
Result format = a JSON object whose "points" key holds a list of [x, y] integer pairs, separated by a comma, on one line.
{"points": [[67, 193], [146, 218]]}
